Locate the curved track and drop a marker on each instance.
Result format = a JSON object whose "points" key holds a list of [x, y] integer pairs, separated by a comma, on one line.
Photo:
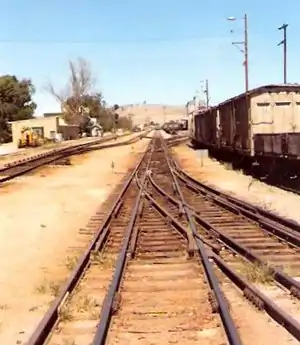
{"points": [[25, 165], [146, 278]]}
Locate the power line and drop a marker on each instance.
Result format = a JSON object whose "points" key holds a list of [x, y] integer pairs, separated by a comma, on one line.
{"points": [[106, 41]]}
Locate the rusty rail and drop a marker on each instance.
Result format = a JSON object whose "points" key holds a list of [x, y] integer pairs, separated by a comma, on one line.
{"points": [[258, 298], [289, 223], [274, 228], [193, 245], [32, 163], [229, 325], [47, 323], [107, 306]]}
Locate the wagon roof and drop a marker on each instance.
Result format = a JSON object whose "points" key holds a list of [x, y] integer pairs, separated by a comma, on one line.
{"points": [[266, 88]]}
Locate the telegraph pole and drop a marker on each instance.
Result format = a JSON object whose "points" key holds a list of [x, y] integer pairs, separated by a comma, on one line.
{"points": [[244, 43], [206, 91], [284, 43], [246, 52]]}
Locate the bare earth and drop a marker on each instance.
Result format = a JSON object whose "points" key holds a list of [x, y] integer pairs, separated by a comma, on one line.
{"points": [[9, 153], [40, 218]]}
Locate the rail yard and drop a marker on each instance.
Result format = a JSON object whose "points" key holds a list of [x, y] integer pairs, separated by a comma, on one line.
{"points": [[128, 244], [149, 190]]}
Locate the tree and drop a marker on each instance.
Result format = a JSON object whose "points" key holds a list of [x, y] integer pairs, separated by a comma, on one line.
{"points": [[78, 99], [125, 122], [15, 102]]}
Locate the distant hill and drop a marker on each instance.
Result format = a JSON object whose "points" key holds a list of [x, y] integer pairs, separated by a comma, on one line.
{"points": [[152, 112]]}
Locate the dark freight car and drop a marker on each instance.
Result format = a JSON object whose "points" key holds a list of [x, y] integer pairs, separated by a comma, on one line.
{"points": [[210, 126], [293, 144], [277, 145], [234, 124]]}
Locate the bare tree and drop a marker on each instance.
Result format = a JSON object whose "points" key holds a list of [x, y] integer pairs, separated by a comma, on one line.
{"points": [[80, 84]]}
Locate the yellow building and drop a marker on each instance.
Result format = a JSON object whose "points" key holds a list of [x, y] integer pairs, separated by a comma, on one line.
{"points": [[45, 127]]}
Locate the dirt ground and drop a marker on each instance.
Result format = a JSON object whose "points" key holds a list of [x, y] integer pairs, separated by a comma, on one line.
{"points": [[235, 183], [40, 219], [16, 154]]}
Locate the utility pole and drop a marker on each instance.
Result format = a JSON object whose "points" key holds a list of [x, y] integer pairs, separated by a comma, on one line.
{"points": [[284, 42], [206, 91], [245, 50]]}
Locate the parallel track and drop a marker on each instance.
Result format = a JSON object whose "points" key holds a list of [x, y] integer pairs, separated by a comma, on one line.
{"points": [[221, 223], [146, 278], [25, 165]]}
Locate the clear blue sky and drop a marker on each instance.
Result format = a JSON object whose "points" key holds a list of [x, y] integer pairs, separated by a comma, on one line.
{"points": [[156, 50]]}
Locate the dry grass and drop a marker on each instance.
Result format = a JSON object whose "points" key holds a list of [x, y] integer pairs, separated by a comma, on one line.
{"points": [[69, 341], [257, 273], [66, 313], [3, 306], [79, 304], [49, 288], [106, 261], [71, 262]]}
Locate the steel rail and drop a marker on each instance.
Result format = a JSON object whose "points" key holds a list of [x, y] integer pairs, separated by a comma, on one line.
{"points": [[289, 223], [107, 306], [177, 203], [52, 152], [172, 221], [259, 299], [271, 226], [57, 155], [228, 323], [46, 325], [251, 292], [288, 282], [68, 150]]}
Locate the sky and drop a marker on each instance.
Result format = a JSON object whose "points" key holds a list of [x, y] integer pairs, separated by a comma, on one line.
{"points": [[157, 51]]}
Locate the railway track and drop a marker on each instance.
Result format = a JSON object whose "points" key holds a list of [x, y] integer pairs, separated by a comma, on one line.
{"points": [[25, 165], [261, 235], [146, 278], [265, 236]]}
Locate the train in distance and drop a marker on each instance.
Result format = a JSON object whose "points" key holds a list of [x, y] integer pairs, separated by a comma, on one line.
{"points": [[174, 126]]}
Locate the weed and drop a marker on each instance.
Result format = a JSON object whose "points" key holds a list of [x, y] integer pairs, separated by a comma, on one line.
{"points": [[51, 288], [42, 288], [54, 288], [105, 261], [65, 313], [71, 262], [68, 342], [258, 273], [86, 304]]}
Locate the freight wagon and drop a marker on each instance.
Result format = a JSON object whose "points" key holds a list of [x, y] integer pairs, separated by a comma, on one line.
{"points": [[255, 127]]}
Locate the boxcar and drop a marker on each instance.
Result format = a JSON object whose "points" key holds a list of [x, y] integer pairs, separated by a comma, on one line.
{"points": [[271, 109], [205, 127]]}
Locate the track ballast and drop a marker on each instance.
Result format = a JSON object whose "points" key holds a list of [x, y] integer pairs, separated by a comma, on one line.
{"points": [[152, 274]]}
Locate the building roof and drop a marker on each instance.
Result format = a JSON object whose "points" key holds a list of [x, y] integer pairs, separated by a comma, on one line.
{"points": [[266, 89], [52, 114]]}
